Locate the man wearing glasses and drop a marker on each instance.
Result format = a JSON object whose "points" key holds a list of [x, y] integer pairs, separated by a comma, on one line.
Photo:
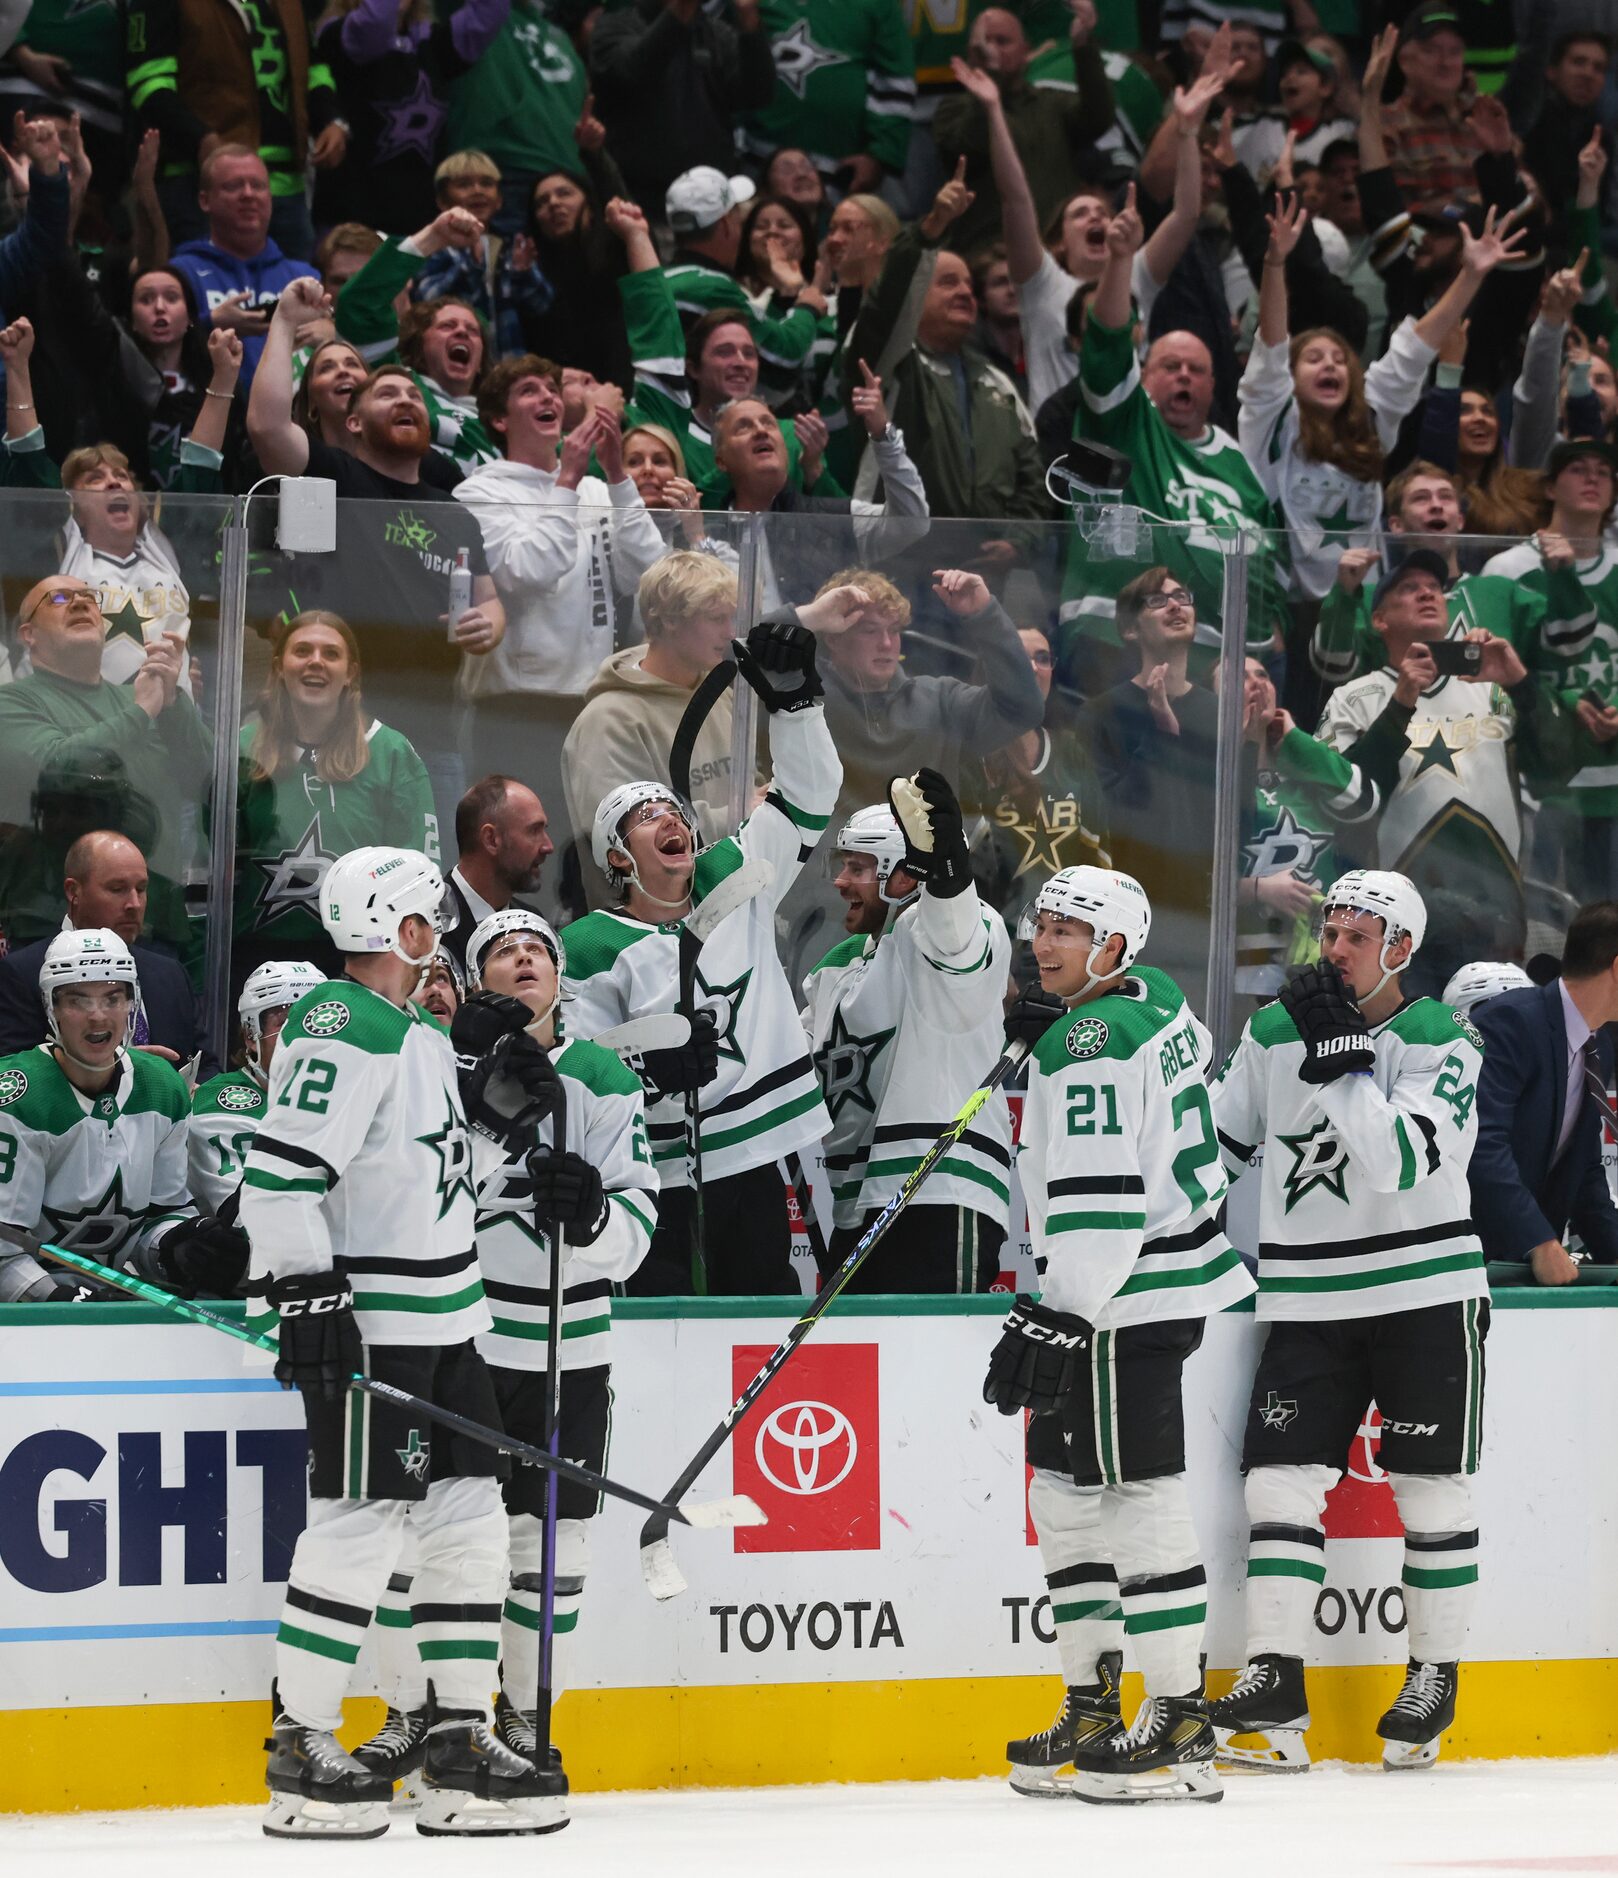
{"points": [[63, 710]]}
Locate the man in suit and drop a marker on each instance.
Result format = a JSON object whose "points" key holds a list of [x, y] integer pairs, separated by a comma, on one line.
{"points": [[105, 884], [503, 841], [1537, 1166]]}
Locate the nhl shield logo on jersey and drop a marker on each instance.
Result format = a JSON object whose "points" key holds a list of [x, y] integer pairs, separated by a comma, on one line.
{"points": [[325, 1020], [1088, 1037], [13, 1087], [234, 1096]]}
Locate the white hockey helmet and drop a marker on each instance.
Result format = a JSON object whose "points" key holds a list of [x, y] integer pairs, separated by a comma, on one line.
{"points": [[1393, 899], [496, 927], [273, 986], [875, 831], [607, 831], [369, 893], [89, 955], [1108, 902], [1476, 983]]}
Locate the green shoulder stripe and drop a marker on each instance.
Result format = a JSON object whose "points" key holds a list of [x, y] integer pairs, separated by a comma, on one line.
{"points": [[1159, 987], [1271, 1026], [342, 1010], [713, 864], [35, 1093], [595, 942], [1110, 1027], [599, 1070], [1427, 1021], [158, 1088], [845, 952]]}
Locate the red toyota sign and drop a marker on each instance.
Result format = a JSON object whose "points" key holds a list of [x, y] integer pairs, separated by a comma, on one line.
{"points": [[810, 1452], [1361, 1505]]}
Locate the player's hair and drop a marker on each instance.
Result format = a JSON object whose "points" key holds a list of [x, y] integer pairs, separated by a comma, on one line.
{"points": [[677, 588], [1346, 438], [1592, 940], [696, 340], [1394, 495], [416, 323], [346, 237], [222, 153], [885, 596], [481, 803], [660, 433], [461, 166], [495, 389], [303, 413], [276, 742]]}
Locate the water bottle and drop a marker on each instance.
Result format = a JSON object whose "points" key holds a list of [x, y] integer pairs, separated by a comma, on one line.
{"points": [[460, 589]]}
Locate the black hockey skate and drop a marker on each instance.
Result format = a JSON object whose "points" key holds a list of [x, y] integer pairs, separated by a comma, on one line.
{"points": [[1090, 1713], [1421, 1711], [1167, 1754], [397, 1748], [318, 1789], [514, 1728], [472, 1783], [1267, 1702]]}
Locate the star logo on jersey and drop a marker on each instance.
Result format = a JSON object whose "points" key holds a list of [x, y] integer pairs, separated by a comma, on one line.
{"points": [[1086, 1038], [292, 878], [728, 1000], [13, 1087], [1277, 1414], [97, 1230], [325, 1020], [415, 1456], [125, 621], [410, 126], [237, 1096], [1598, 671], [1047, 835], [844, 1064], [1436, 754], [1319, 1159], [798, 58], [453, 1146], [1286, 846]]}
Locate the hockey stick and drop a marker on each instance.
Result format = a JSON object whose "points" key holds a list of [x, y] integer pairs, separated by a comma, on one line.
{"points": [[662, 1030], [553, 1447], [806, 1209], [738, 1510], [657, 1563]]}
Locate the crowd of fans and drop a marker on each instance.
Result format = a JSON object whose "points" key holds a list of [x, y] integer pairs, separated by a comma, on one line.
{"points": [[612, 322]]}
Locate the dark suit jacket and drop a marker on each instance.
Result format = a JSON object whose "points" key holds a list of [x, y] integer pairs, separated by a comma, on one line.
{"points": [[1519, 1200], [455, 938], [171, 1008]]}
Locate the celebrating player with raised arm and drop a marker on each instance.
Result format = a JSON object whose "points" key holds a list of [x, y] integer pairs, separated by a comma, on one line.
{"points": [[1120, 1170], [1371, 1278]]}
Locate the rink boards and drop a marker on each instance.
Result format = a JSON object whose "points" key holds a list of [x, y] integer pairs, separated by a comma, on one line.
{"points": [[889, 1623]]}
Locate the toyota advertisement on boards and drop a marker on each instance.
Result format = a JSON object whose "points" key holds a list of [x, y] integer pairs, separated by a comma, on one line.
{"points": [[151, 1487]]}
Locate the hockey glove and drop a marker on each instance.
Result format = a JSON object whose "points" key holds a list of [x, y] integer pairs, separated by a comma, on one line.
{"points": [[683, 1070], [509, 1091], [1335, 1040], [1032, 1015], [204, 1256], [567, 1189], [935, 836], [1034, 1363], [320, 1341], [778, 661], [484, 1019]]}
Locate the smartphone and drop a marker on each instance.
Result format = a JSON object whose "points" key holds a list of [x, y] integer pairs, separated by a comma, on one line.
{"points": [[1592, 697], [1457, 658]]}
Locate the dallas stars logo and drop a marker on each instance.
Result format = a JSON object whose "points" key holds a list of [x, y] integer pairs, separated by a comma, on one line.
{"points": [[1436, 754], [1052, 837], [237, 1096], [97, 1230], [1286, 846], [844, 1063], [325, 1020], [725, 1001], [415, 1456], [410, 125], [1319, 1159], [13, 1087], [798, 58], [1088, 1037], [292, 878], [1277, 1414], [453, 1147]]}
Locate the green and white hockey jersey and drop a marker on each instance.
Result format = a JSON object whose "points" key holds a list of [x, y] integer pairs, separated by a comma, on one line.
{"points": [[1364, 1206], [1119, 1162], [1583, 648], [902, 1028], [1136, 99], [606, 1123], [290, 829], [103, 1175], [225, 1114], [363, 1162], [765, 1101], [845, 82]]}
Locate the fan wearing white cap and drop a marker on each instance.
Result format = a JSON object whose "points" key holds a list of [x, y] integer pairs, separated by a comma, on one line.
{"points": [[360, 1200], [1120, 1172], [903, 1018], [92, 1139], [1371, 1282]]}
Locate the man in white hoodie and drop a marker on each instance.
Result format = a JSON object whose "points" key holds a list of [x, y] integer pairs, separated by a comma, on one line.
{"points": [[566, 551]]}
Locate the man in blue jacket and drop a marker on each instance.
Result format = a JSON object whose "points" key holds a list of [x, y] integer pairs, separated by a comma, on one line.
{"points": [[1537, 1165]]}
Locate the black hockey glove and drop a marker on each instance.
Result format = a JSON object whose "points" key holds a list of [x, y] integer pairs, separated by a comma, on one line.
{"points": [[486, 1017], [568, 1189], [1033, 1013], [204, 1256], [509, 1091], [927, 811], [1335, 1040], [778, 660], [688, 1067], [1033, 1364], [320, 1342]]}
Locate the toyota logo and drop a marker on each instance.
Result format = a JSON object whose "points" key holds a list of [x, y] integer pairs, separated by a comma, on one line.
{"points": [[1362, 1454], [809, 1432]]}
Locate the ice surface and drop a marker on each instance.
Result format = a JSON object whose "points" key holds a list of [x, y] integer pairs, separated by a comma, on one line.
{"points": [[1467, 1818]]}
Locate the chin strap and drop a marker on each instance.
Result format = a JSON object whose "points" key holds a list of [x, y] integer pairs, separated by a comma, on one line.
{"points": [[1092, 979], [1388, 971]]}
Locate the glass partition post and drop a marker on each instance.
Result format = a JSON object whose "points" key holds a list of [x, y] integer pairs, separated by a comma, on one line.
{"points": [[744, 706], [216, 1011], [1227, 798]]}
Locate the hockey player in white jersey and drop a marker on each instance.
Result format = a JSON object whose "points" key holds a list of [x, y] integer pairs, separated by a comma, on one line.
{"points": [[360, 1202], [1371, 1280], [602, 1193], [761, 1100], [1120, 1170], [93, 1141], [903, 1017], [227, 1109]]}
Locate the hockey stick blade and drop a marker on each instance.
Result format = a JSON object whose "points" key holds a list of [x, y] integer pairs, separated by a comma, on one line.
{"points": [[662, 1030], [739, 886], [738, 1509]]}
